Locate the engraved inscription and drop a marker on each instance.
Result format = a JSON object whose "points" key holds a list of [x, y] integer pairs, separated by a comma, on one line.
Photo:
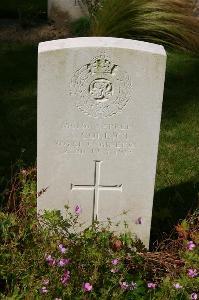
{"points": [[100, 88], [84, 138], [96, 188]]}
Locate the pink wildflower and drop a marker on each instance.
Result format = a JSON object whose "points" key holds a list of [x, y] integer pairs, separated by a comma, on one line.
{"points": [[139, 221], [177, 286], [65, 277], [63, 262], [48, 257], [151, 285], [114, 270], [24, 172], [128, 286], [50, 260], [115, 262], [191, 245], [45, 281], [62, 248], [43, 290], [132, 285], [192, 273], [194, 296], [58, 299], [124, 285], [87, 287], [78, 210]]}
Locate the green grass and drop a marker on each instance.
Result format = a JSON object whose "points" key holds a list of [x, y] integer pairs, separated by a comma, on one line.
{"points": [[178, 161], [177, 179], [179, 140], [17, 106]]}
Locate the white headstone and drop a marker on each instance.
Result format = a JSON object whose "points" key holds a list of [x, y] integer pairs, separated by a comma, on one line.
{"points": [[74, 8], [99, 111]]}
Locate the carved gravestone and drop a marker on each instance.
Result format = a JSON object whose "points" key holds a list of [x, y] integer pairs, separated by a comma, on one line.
{"points": [[99, 111], [60, 8]]}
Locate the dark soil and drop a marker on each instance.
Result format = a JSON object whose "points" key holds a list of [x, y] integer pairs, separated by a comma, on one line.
{"points": [[12, 31]]}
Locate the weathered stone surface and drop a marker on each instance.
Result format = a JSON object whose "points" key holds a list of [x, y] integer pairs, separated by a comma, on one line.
{"points": [[73, 8], [99, 111]]}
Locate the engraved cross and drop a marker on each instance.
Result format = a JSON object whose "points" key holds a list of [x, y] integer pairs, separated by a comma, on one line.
{"points": [[96, 188]]}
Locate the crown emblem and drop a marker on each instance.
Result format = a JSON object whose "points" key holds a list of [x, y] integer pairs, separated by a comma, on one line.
{"points": [[100, 88], [101, 65]]}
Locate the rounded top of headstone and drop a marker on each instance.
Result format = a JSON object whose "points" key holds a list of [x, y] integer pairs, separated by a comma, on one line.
{"points": [[89, 42]]}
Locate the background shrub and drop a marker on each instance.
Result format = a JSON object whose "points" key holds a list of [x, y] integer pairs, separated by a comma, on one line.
{"points": [[167, 22]]}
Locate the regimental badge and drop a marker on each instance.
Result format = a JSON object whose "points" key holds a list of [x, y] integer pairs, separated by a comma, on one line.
{"points": [[101, 88]]}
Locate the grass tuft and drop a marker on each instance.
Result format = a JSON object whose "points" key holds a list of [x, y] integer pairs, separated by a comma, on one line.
{"points": [[167, 22]]}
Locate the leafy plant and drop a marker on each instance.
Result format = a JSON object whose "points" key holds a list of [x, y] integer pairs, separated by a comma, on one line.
{"points": [[167, 22], [49, 257], [81, 26]]}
